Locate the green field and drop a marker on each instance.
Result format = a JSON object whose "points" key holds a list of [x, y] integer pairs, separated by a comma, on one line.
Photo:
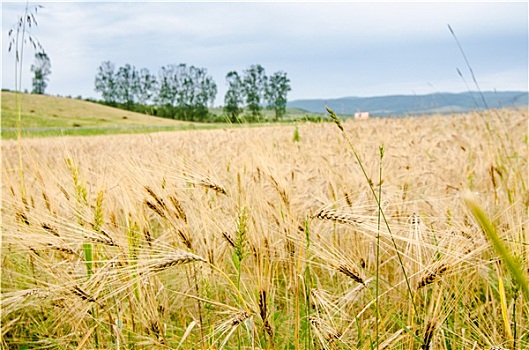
{"points": [[50, 111], [43, 115]]}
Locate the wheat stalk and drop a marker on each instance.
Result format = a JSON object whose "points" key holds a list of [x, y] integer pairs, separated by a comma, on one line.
{"points": [[207, 183], [350, 272], [170, 260], [432, 275], [343, 218]]}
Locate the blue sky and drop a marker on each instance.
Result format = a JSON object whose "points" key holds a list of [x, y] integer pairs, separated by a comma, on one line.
{"points": [[328, 50]]}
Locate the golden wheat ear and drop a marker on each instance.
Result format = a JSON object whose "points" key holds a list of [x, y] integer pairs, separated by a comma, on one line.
{"points": [[169, 260], [432, 275]]}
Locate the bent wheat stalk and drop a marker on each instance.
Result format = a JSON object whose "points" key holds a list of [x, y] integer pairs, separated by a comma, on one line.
{"points": [[490, 231]]}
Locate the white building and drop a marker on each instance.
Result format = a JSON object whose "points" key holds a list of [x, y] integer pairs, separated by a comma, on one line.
{"points": [[362, 115]]}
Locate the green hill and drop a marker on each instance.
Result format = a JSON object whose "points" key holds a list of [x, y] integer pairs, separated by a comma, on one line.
{"points": [[42, 111], [43, 115]]}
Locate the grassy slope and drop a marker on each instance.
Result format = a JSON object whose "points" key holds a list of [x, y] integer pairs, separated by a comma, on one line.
{"points": [[49, 111], [78, 117]]}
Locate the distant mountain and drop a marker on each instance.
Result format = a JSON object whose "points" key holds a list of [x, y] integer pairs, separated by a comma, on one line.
{"points": [[401, 105]]}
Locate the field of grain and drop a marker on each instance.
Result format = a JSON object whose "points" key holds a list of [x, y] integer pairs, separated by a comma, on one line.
{"points": [[270, 238]]}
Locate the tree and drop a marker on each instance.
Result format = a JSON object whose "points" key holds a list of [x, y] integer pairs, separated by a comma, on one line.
{"points": [[185, 92], [234, 96], [254, 83], [125, 82], [170, 81], [202, 91], [41, 70], [169, 86], [145, 86], [276, 93], [105, 82]]}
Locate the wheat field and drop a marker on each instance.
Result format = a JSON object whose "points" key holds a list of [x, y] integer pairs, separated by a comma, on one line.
{"points": [[290, 237]]}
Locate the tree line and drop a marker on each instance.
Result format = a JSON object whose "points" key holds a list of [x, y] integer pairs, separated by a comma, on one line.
{"points": [[186, 92]]}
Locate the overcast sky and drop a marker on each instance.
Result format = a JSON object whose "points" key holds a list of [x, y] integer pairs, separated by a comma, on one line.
{"points": [[328, 50]]}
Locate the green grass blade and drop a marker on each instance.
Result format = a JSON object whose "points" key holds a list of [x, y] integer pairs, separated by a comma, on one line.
{"points": [[490, 231], [87, 247]]}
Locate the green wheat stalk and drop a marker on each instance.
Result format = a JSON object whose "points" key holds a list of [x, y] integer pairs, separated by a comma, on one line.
{"points": [[381, 150], [377, 199], [497, 243]]}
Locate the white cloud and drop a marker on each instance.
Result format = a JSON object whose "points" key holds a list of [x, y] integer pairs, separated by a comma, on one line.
{"points": [[326, 48]]}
